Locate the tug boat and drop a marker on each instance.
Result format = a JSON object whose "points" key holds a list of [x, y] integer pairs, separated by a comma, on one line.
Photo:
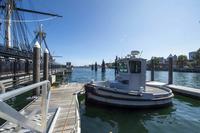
{"points": [[129, 89]]}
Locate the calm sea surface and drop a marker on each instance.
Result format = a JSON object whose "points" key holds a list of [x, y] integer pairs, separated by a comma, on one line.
{"points": [[182, 117]]}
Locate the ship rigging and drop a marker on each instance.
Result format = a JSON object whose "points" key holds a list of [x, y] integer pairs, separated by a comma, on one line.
{"points": [[16, 46]]}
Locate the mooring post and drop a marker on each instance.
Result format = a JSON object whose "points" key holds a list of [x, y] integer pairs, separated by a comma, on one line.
{"points": [[152, 69], [170, 72], [95, 66], [46, 65], [92, 67], [116, 66], [103, 67], [36, 65]]}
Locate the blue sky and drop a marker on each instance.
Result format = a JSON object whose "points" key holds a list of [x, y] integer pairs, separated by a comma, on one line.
{"points": [[92, 30]]}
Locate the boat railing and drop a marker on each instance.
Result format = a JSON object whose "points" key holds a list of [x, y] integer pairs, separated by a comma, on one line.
{"points": [[11, 115]]}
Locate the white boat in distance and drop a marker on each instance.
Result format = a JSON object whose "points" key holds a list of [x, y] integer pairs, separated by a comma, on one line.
{"points": [[129, 90]]}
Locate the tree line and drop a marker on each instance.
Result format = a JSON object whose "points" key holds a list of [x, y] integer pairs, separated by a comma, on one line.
{"points": [[183, 61]]}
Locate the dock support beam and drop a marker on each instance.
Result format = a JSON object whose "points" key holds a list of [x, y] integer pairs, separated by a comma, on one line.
{"points": [[27, 66], [170, 72], [46, 65], [36, 66], [152, 69], [14, 71]]}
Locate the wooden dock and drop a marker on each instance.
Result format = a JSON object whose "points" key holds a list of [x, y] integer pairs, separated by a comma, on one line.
{"points": [[63, 99], [182, 90], [187, 91]]}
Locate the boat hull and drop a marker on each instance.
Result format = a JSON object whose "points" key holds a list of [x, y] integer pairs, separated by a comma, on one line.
{"points": [[101, 96]]}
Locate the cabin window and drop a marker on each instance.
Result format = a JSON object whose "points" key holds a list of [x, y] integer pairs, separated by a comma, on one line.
{"points": [[135, 66], [123, 67]]}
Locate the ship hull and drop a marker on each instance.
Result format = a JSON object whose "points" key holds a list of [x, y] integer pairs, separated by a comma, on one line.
{"points": [[100, 95]]}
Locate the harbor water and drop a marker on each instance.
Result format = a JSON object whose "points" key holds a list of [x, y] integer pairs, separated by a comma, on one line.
{"points": [[183, 116]]}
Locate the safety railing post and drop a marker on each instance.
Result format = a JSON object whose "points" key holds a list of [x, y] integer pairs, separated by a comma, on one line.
{"points": [[3, 90], [11, 115], [44, 108]]}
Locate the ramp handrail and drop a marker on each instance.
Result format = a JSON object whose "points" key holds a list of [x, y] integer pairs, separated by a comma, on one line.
{"points": [[10, 114], [77, 127]]}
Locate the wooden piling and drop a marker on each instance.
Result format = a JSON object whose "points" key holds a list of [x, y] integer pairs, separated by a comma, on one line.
{"points": [[103, 67], [36, 65], [95, 67], [116, 66], [152, 69], [46, 65], [170, 70], [92, 67]]}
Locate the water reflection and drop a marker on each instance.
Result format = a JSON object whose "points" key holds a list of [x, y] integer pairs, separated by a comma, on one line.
{"points": [[188, 101], [120, 120], [103, 76]]}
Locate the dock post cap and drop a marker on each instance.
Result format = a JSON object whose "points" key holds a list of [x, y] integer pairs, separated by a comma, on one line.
{"points": [[37, 45], [46, 51]]}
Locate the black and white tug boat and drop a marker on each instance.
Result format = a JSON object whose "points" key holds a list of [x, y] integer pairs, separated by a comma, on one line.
{"points": [[129, 89]]}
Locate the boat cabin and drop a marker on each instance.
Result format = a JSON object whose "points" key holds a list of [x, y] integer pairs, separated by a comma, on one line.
{"points": [[131, 74], [68, 64]]}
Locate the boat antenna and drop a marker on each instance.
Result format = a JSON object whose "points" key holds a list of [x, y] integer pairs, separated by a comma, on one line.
{"points": [[141, 53]]}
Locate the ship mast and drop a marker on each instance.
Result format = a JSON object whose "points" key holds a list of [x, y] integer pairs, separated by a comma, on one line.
{"points": [[41, 34], [9, 7]]}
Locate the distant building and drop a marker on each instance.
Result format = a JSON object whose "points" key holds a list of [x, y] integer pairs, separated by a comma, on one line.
{"points": [[160, 64], [192, 55], [162, 60], [175, 58]]}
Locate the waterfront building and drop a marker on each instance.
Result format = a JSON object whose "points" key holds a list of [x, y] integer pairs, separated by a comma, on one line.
{"points": [[192, 55], [161, 60], [175, 58]]}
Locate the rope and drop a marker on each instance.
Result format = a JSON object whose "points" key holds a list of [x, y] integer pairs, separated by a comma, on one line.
{"points": [[29, 21]]}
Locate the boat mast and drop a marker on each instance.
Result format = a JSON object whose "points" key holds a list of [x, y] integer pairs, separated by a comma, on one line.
{"points": [[9, 6], [41, 34]]}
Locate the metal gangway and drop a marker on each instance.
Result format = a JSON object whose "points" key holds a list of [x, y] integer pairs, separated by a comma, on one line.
{"points": [[54, 110], [23, 122]]}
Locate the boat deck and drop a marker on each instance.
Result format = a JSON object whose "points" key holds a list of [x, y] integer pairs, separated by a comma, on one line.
{"points": [[63, 98], [154, 90]]}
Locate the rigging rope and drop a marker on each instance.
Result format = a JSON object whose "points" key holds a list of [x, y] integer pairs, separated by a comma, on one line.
{"points": [[30, 20]]}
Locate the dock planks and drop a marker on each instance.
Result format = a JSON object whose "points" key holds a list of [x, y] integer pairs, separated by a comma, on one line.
{"points": [[182, 90], [62, 97], [187, 91]]}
